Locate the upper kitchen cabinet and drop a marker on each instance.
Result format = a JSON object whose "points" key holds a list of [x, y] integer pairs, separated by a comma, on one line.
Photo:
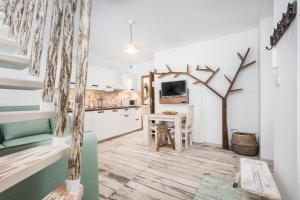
{"points": [[101, 78], [129, 81]]}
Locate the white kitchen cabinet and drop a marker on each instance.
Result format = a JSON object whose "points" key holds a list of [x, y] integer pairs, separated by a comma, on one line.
{"points": [[136, 118], [87, 121], [99, 124], [116, 123], [101, 79], [111, 123]]}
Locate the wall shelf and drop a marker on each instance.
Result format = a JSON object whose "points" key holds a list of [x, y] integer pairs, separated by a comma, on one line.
{"points": [[175, 99]]}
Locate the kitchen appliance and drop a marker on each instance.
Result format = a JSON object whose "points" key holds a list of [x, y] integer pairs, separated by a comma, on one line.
{"points": [[129, 102]]}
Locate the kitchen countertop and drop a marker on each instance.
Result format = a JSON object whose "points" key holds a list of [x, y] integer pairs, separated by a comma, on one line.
{"points": [[106, 108]]}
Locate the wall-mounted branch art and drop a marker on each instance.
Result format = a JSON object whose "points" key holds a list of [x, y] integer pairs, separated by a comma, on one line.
{"points": [[284, 24], [230, 90]]}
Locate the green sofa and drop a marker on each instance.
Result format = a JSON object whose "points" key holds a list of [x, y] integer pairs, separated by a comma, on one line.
{"points": [[15, 137]]}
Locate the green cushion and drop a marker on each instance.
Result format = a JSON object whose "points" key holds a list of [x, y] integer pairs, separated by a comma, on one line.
{"points": [[1, 146], [23, 129], [27, 140]]}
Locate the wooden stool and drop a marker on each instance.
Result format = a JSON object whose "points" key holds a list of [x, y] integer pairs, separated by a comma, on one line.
{"points": [[161, 129]]}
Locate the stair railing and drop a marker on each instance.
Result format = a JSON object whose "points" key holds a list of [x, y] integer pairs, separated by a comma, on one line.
{"points": [[75, 158], [25, 27], [19, 19]]}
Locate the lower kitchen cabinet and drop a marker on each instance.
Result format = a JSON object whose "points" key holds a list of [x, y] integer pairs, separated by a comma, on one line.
{"points": [[111, 123], [99, 124]]}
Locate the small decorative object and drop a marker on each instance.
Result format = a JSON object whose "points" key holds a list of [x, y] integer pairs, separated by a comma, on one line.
{"points": [[283, 25], [244, 143], [169, 112]]}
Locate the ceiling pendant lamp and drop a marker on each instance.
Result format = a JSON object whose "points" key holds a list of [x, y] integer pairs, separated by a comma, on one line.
{"points": [[131, 48]]}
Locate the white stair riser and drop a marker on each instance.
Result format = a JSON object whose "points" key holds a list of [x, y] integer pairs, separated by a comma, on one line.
{"points": [[3, 31], [13, 61]]}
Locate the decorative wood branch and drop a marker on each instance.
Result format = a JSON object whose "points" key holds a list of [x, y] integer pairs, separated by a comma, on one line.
{"points": [[16, 20], [212, 75], [240, 56], [248, 65], [206, 69], [26, 27], [37, 46], [228, 79], [284, 24], [53, 48], [242, 66], [66, 67], [78, 115], [225, 143], [187, 73], [236, 90]]}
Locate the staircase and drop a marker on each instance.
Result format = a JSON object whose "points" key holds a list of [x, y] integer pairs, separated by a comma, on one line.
{"points": [[16, 30]]}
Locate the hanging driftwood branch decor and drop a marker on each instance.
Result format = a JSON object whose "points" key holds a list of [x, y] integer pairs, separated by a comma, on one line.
{"points": [[10, 9], [242, 66], [16, 20], [53, 48], [25, 28], [81, 76], [66, 67], [37, 46], [4, 9], [284, 24]]}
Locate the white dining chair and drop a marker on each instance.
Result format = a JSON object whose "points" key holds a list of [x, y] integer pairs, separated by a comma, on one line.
{"points": [[187, 127], [153, 125]]}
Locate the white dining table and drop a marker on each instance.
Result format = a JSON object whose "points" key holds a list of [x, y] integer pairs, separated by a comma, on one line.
{"points": [[160, 117]]}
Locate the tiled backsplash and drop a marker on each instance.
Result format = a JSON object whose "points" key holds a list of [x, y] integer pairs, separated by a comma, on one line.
{"points": [[96, 98]]}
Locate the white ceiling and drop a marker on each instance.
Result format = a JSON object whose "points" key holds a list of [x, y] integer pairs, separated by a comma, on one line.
{"points": [[165, 24]]}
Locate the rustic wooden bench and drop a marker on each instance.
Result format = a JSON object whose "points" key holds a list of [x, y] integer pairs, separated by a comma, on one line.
{"points": [[256, 178]]}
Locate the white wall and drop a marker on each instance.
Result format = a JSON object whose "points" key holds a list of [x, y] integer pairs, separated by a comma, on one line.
{"points": [[285, 124], [220, 52], [266, 91], [141, 69]]}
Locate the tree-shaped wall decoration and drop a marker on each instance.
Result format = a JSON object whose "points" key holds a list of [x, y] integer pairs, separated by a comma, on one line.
{"points": [[224, 98]]}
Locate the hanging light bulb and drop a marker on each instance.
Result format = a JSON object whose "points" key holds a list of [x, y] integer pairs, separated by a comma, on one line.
{"points": [[131, 48]]}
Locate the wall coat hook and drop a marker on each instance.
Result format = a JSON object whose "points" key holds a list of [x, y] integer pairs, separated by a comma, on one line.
{"points": [[283, 24]]}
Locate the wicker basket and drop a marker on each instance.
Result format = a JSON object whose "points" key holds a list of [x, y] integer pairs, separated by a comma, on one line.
{"points": [[244, 143]]}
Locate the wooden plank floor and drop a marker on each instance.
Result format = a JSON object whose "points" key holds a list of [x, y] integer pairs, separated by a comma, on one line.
{"points": [[130, 170]]}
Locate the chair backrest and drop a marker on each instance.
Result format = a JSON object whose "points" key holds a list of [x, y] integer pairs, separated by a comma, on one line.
{"points": [[145, 110], [189, 117]]}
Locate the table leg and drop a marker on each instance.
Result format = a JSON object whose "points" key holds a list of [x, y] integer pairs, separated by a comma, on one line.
{"points": [[178, 135], [147, 137]]}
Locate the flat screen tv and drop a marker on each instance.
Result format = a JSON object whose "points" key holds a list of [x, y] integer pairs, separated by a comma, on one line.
{"points": [[175, 88]]}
